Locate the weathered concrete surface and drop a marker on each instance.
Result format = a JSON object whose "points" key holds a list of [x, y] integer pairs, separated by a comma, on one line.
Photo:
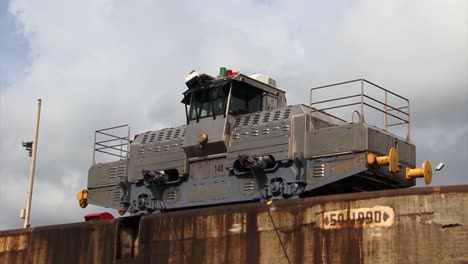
{"points": [[418, 225]]}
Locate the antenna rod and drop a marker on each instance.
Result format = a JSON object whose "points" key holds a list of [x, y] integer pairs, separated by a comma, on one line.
{"points": [[32, 166]]}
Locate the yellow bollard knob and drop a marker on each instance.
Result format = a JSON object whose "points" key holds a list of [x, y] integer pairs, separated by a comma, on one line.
{"points": [[202, 138], [82, 198], [392, 160], [424, 172]]}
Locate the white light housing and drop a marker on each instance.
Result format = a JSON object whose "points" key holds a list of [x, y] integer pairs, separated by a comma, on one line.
{"points": [[264, 79], [22, 213], [191, 75]]}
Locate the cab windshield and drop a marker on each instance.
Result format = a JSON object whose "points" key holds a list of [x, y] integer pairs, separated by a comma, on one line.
{"points": [[210, 102]]}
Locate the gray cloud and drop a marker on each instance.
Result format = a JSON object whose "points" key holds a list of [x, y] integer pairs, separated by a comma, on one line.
{"points": [[102, 63]]}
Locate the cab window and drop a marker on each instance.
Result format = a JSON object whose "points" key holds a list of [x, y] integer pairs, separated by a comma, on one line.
{"points": [[245, 99]]}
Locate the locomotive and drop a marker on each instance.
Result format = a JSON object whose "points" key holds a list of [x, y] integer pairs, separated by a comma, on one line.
{"points": [[242, 143]]}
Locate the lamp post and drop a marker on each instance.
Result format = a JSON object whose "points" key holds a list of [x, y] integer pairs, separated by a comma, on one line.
{"points": [[32, 148]]}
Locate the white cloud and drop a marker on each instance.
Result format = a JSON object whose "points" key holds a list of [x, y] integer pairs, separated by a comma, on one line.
{"points": [[102, 63]]}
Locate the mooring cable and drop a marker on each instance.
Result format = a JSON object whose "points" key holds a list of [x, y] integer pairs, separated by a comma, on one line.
{"points": [[271, 218]]}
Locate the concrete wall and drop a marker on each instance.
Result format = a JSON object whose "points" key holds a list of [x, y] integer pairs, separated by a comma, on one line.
{"points": [[418, 225]]}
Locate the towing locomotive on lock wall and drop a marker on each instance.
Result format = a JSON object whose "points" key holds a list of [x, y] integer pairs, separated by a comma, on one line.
{"points": [[242, 142]]}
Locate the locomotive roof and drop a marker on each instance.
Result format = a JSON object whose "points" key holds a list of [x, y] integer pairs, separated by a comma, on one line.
{"points": [[207, 82]]}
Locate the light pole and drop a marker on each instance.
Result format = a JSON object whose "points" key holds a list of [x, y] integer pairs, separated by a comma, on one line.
{"points": [[32, 148]]}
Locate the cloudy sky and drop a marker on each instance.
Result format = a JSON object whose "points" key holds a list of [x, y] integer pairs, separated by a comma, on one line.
{"points": [[100, 63]]}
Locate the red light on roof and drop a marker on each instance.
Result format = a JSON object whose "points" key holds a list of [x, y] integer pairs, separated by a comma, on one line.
{"points": [[136, 136], [230, 73]]}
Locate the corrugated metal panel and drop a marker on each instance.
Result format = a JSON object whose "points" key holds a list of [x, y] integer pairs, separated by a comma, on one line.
{"points": [[91, 242], [419, 225], [14, 246]]}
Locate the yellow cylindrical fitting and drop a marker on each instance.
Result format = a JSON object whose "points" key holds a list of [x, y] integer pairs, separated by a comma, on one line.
{"points": [[82, 198], [392, 160], [424, 172]]}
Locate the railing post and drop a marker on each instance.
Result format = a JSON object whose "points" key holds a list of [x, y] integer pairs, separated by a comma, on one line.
{"points": [[121, 148], [385, 113], [362, 101], [94, 148], [409, 122], [128, 143], [310, 116], [310, 98]]}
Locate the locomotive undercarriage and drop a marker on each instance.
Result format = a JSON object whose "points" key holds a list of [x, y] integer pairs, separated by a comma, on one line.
{"points": [[286, 179]]}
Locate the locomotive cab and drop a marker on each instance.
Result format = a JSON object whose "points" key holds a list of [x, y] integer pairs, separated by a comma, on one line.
{"points": [[213, 103]]}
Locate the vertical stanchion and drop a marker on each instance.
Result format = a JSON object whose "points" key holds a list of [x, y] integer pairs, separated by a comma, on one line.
{"points": [[385, 113], [128, 143], [408, 136], [362, 101], [32, 165]]}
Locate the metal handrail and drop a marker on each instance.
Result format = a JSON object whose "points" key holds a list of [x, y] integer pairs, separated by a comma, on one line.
{"points": [[398, 109], [394, 116], [367, 101], [335, 99], [108, 145]]}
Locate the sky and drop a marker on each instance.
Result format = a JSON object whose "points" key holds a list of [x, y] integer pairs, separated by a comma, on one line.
{"points": [[101, 63]]}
